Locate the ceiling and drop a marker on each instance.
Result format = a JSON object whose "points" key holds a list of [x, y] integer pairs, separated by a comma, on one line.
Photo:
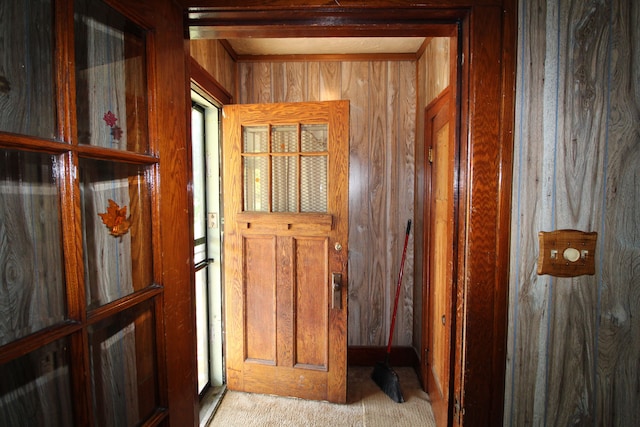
{"points": [[326, 45]]}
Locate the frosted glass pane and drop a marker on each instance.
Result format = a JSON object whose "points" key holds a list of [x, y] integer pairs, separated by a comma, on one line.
{"points": [[32, 286]]}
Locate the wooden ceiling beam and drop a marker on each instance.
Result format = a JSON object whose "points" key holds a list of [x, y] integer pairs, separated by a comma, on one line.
{"points": [[326, 22]]}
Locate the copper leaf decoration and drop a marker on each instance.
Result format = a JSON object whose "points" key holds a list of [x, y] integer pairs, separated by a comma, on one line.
{"points": [[116, 219]]}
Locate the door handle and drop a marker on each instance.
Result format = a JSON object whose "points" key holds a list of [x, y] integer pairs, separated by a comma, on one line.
{"points": [[336, 291]]}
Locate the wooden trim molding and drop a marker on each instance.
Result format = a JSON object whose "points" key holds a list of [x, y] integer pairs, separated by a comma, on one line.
{"points": [[207, 83], [488, 37]]}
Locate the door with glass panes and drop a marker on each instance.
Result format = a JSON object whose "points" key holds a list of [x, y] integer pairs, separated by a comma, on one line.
{"points": [[82, 292], [286, 229]]}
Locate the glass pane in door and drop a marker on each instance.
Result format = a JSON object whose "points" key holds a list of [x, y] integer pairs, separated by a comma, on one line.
{"points": [[284, 170], [202, 328], [284, 180], [32, 286], [27, 92], [313, 167], [111, 85], [314, 138], [116, 207], [123, 367], [285, 139], [256, 184], [255, 139], [313, 184], [198, 165], [35, 388]]}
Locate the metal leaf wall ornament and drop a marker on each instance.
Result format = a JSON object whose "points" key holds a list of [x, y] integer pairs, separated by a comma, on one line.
{"points": [[116, 219]]}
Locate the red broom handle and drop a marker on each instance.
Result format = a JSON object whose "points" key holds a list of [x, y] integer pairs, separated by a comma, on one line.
{"points": [[395, 304]]}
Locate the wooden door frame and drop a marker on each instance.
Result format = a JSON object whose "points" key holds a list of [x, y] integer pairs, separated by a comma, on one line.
{"points": [[446, 98], [486, 82]]}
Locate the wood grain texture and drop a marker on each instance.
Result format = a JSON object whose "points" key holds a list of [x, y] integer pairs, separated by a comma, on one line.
{"points": [[32, 283], [618, 372], [481, 190], [170, 135], [382, 97], [429, 64], [259, 298], [277, 285], [213, 57], [27, 90], [572, 356]]}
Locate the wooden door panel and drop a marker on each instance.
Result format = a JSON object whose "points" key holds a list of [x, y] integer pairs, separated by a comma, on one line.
{"points": [[283, 335], [441, 268], [440, 243], [311, 313], [259, 255]]}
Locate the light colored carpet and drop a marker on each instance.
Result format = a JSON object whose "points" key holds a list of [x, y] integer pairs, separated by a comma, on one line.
{"points": [[367, 406]]}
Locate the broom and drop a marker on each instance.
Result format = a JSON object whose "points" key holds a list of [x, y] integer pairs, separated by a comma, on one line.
{"points": [[382, 374]]}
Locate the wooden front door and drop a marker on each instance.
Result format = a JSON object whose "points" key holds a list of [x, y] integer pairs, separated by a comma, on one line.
{"points": [[439, 212], [286, 229]]}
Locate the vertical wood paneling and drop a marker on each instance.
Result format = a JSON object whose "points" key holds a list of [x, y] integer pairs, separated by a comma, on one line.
{"points": [[263, 83], [382, 97], [245, 83], [279, 74], [393, 155], [618, 346], [573, 349], [356, 75], [330, 81], [376, 198], [295, 82], [214, 58], [434, 62], [313, 81]]}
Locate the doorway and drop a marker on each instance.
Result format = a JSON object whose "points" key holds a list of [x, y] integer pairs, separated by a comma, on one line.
{"points": [[207, 243], [486, 106], [207, 100]]}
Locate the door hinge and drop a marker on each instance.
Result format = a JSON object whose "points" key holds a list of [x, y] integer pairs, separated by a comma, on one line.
{"points": [[430, 155]]}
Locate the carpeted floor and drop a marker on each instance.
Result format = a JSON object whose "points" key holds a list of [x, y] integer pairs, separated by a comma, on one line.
{"points": [[367, 406]]}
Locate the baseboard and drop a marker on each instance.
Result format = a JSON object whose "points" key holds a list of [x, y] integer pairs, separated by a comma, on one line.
{"points": [[369, 356]]}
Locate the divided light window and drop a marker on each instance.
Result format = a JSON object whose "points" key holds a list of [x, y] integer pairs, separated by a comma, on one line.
{"points": [[80, 295], [285, 168]]}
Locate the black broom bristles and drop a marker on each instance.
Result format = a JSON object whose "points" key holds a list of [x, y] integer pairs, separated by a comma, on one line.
{"points": [[388, 381]]}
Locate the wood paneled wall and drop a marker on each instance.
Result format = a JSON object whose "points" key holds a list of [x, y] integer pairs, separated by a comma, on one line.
{"points": [[382, 97], [401, 94], [214, 57], [434, 71], [574, 343]]}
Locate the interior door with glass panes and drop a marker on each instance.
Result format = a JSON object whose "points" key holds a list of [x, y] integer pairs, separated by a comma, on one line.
{"points": [[286, 229], [81, 295]]}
